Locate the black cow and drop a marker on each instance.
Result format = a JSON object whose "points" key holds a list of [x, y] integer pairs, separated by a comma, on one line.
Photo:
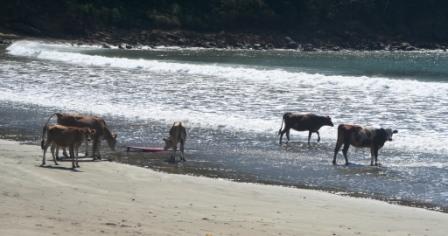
{"points": [[362, 137], [303, 122]]}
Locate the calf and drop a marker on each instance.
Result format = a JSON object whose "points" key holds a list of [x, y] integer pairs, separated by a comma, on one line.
{"points": [[64, 136], [178, 134], [362, 137], [303, 122]]}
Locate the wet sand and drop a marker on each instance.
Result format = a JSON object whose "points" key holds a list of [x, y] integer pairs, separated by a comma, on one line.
{"points": [[111, 198]]}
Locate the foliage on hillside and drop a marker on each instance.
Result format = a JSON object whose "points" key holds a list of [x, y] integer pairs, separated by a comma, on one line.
{"points": [[410, 19]]}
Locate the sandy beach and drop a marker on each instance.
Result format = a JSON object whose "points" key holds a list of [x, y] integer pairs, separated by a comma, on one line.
{"points": [[116, 199]]}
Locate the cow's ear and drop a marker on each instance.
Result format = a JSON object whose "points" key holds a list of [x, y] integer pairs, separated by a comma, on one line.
{"points": [[395, 131]]}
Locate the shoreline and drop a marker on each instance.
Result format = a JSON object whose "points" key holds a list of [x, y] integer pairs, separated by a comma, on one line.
{"points": [[127, 40], [241, 178], [108, 197]]}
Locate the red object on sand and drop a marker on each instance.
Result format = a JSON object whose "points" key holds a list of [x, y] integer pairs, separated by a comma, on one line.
{"points": [[144, 149]]}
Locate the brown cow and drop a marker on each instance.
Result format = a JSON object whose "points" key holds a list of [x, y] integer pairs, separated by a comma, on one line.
{"points": [[362, 137], [303, 122], [178, 134], [64, 136], [93, 122]]}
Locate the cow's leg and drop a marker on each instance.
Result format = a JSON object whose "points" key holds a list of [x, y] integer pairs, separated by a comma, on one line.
{"points": [[96, 148], [182, 142], [318, 136], [372, 155], [173, 154], [345, 150], [73, 154], [64, 152], [53, 148], [57, 153], [281, 135], [375, 153], [87, 148], [309, 136], [72, 157], [77, 151], [336, 150], [45, 147], [287, 135], [76, 155]]}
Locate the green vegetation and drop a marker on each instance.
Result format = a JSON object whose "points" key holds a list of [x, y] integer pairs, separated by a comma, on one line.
{"points": [[405, 18]]}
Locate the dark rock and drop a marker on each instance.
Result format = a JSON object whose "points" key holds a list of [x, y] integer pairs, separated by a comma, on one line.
{"points": [[292, 46], [122, 46], [411, 48], [308, 47], [257, 46], [288, 39], [269, 46], [248, 40], [221, 44], [336, 48], [290, 43], [404, 46], [105, 45]]}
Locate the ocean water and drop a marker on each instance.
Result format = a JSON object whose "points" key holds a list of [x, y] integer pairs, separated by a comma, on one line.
{"points": [[232, 102]]}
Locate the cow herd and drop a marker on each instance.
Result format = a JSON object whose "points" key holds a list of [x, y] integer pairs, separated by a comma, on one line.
{"points": [[72, 130], [355, 135]]}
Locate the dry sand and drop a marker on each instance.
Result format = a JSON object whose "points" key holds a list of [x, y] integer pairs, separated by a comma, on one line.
{"points": [[105, 198]]}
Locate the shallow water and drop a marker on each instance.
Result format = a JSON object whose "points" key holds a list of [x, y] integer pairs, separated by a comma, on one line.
{"points": [[232, 103]]}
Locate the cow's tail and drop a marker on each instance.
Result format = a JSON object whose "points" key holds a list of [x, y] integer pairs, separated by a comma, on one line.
{"points": [[341, 137], [44, 130], [281, 126]]}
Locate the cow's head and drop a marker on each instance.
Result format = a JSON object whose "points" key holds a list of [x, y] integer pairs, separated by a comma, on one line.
{"points": [[328, 121], [389, 133], [90, 133], [112, 141], [169, 143]]}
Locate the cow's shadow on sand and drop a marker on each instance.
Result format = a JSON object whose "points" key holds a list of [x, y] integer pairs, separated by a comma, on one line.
{"points": [[68, 160], [79, 160], [58, 167]]}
